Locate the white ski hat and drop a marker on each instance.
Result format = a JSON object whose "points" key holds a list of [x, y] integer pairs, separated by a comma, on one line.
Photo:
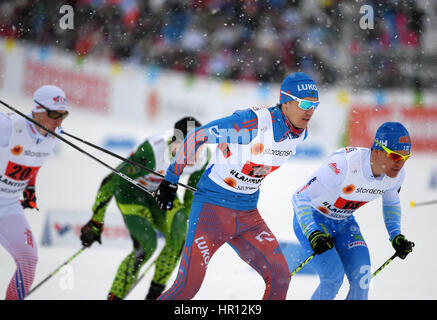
{"points": [[50, 97]]}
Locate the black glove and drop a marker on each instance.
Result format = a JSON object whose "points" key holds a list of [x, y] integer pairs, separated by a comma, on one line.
{"points": [[165, 194], [402, 246], [91, 232], [320, 242], [29, 198]]}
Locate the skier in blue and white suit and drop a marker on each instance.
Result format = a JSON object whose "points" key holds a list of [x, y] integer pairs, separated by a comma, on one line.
{"points": [[324, 208]]}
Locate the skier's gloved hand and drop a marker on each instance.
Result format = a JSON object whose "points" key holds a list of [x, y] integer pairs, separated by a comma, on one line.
{"points": [[402, 246], [320, 242], [29, 198], [91, 232], [165, 194]]}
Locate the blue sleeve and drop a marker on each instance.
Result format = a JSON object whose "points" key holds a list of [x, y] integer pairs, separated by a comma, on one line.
{"points": [[240, 127], [392, 219], [304, 212], [391, 208]]}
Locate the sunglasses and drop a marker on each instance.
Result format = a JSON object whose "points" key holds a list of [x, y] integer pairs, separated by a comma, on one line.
{"points": [[53, 114], [394, 155], [303, 104]]}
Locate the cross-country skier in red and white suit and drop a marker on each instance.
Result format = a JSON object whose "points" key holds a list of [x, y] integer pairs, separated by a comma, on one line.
{"points": [[23, 149], [252, 143]]}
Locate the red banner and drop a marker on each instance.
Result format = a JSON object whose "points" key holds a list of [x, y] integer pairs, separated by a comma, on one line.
{"points": [[421, 123], [83, 90]]}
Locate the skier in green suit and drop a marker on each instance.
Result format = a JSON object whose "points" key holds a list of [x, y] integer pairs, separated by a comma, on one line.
{"points": [[141, 214]]}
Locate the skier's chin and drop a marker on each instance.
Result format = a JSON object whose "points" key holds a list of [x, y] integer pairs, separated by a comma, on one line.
{"points": [[393, 173]]}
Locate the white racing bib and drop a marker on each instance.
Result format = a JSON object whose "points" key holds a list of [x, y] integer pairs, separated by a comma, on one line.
{"points": [[242, 167], [21, 159], [355, 191]]}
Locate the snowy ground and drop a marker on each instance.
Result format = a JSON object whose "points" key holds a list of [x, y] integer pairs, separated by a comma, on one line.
{"points": [[70, 179]]}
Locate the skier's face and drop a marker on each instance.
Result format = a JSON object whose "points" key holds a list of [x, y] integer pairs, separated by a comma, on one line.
{"points": [[389, 166], [174, 146], [298, 116], [46, 121]]}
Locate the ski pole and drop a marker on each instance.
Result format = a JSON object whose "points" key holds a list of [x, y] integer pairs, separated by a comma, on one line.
{"points": [[373, 275], [134, 182], [123, 159], [387, 262], [384, 265], [303, 264], [56, 271], [140, 278], [418, 204]]}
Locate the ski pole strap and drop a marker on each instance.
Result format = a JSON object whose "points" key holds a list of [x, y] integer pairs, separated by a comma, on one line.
{"points": [[303, 264], [384, 265], [56, 271]]}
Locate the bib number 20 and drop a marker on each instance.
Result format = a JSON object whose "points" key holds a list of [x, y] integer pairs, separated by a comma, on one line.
{"points": [[20, 172]]}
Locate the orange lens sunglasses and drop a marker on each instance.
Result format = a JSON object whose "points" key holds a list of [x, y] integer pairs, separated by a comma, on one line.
{"points": [[393, 154]]}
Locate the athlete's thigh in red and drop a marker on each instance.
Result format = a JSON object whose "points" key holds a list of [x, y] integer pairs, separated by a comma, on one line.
{"points": [[257, 245]]}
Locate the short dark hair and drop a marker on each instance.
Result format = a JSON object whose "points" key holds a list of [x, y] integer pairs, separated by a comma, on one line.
{"points": [[184, 126]]}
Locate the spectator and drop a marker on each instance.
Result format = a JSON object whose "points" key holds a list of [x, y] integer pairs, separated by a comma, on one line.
{"points": [[242, 40]]}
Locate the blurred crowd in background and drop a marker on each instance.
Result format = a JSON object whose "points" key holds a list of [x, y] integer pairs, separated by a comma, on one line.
{"points": [[252, 40]]}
